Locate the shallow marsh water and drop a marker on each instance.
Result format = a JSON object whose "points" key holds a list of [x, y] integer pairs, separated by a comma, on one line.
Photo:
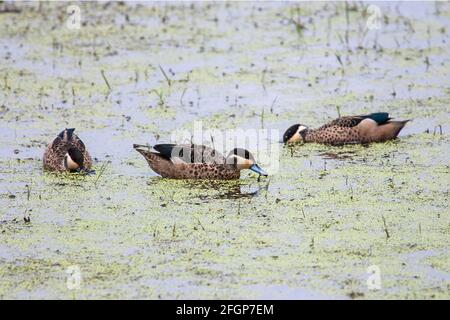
{"points": [[310, 230]]}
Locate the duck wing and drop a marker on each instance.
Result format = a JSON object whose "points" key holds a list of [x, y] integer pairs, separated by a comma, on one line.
{"points": [[352, 121], [189, 153]]}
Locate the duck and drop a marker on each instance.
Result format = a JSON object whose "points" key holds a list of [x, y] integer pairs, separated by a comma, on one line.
{"points": [[193, 161], [67, 153], [362, 129]]}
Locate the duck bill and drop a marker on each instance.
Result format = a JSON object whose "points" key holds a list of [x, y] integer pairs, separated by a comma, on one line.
{"points": [[258, 170]]}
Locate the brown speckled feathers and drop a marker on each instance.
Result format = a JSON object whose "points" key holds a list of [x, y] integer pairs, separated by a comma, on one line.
{"points": [[67, 153], [375, 127], [188, 162], [191, 161]]}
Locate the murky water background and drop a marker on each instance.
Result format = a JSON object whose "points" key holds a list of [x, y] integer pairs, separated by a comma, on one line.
{"points": [[311, 230]]}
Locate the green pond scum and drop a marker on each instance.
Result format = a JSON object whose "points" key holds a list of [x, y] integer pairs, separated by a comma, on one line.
{"points": [[135, 72]]}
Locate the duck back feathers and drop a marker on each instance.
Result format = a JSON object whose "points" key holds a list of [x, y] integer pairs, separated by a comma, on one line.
{"points": [[67, 152]]}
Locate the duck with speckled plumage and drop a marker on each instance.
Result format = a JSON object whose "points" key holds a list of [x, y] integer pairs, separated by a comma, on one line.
{"points": [[374, 127], [67, 153], [192, 161]]}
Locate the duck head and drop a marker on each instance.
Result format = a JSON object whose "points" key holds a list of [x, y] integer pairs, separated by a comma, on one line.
{"points": [[295, 133], [243, 159]]}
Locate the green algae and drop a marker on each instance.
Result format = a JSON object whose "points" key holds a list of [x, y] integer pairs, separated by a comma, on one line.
{"points": [[317, 224]]}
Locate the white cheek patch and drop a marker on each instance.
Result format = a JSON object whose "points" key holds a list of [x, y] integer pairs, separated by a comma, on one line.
{"points": [[297, 135], [69, 163], [240, 161]]}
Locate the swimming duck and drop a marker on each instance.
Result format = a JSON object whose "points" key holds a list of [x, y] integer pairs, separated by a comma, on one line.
{"points": [[67, 153], [374, 127], [191, 161]]}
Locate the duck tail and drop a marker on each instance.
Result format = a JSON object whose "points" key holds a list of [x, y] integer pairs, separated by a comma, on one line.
{"points": [[142, 149], [397, 126], [139, 146], [400, 122]]}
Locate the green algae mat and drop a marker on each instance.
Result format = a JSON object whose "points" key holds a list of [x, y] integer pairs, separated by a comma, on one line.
{"points": [[353, 222]]}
